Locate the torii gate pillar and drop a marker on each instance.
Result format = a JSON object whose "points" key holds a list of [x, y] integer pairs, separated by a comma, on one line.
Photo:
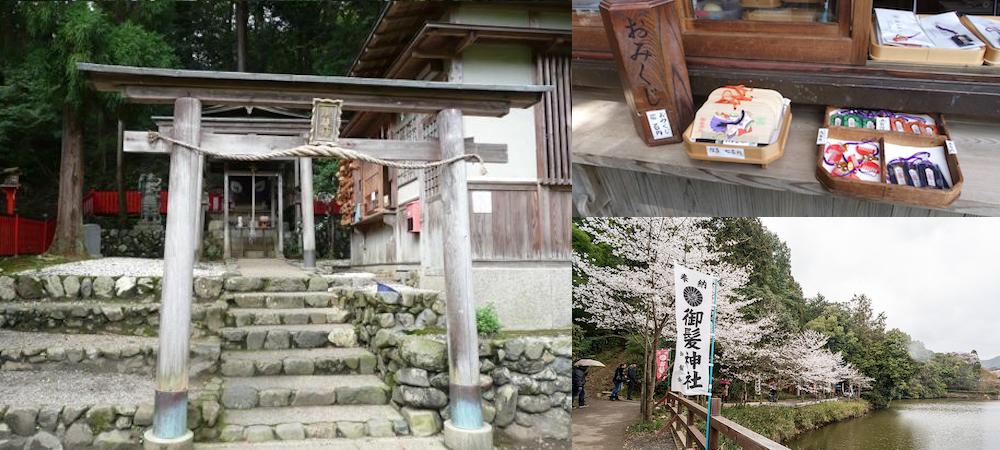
{"points": [[466, 429], [308, 221], [170, 414]]}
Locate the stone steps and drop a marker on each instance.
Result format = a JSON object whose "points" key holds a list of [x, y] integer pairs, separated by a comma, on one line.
{"points": [[284, 300], [338, 444], [322, 422], [278, 337], [241, 317], [313, 390], [327, 360]]}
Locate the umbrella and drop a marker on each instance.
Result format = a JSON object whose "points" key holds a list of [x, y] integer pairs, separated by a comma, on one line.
{"points": [[589, 363]]}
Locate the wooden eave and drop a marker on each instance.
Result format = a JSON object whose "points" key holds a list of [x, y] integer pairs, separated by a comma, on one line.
{"points": [[158, 85], [400, 21], [443, 41], [394, 28]]}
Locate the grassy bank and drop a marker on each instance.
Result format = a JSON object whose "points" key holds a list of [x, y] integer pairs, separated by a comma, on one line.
{"points": [[783, 422], [13, 264]]}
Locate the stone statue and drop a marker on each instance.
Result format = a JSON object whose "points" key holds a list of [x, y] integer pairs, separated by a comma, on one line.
{"points": [[149, 187]]}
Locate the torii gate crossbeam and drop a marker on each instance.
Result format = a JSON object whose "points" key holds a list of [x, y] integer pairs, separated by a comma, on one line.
{"points": [[188, 89]]}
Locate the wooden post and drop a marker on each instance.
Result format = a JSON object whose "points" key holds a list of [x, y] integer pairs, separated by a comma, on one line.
{"points": [[715, 410], [281, 217], [465, 429], [308, 224], [226, 252], [120, 175], [170, 413], [199, 218]]}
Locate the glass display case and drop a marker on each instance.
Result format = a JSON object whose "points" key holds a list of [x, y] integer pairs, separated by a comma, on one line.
{"points": [[821, 31]]}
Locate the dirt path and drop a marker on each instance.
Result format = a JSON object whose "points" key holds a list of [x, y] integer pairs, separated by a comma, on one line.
{"points": [[601, 425]]}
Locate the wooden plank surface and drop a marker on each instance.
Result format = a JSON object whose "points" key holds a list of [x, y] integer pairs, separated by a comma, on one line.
{"points": [[603, 136], [877, 85]]}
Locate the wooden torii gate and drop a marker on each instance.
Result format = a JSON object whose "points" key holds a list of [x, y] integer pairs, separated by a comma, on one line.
{"points": [[187, 89]]}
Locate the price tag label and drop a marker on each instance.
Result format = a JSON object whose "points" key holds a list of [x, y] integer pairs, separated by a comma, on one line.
{"points": [[950, 145], [821, 136], [735, 142], [725, 152], [882, 123], [659, 124]]}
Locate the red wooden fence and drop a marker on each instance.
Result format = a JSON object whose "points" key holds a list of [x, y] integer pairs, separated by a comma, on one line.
{"points": [[20, 236], [105, 203]]}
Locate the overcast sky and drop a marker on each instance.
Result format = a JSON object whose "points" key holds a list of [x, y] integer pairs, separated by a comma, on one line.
{"points": [[937, 279]]}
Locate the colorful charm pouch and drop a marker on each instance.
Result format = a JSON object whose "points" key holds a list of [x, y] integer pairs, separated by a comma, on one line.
{"points": [[854, 160], [922, 167]]}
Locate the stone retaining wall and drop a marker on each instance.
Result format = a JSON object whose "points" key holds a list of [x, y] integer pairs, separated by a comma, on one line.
{"points": [[133, 318], [130, 358], [101, 426], [525, 381], [139, 242], [38, 287]]}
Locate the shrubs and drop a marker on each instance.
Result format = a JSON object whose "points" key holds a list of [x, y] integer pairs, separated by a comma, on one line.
{"points": [[780, 423], [487, 321]]}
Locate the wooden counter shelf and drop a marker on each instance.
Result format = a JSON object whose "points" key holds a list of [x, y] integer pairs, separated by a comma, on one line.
{"points": [[618, 174]]}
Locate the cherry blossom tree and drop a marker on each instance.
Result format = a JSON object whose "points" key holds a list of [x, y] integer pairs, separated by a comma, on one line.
{"points": [[637, 296], [804, 362]]}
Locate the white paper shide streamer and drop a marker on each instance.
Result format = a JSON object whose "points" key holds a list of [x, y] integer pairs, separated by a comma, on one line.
{"points": [[693, 309]]}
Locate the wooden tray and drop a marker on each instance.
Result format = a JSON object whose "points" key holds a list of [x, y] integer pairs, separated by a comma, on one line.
{"points": [[937, 56], [934, 198], [938, 119], [992, 56], [740, 154]]}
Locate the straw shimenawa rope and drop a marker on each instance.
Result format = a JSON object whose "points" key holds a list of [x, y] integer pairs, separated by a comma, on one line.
{"points": [[321, 151]]}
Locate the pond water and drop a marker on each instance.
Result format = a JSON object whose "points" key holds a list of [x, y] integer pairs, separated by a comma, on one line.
{"points": [[913, 425]]}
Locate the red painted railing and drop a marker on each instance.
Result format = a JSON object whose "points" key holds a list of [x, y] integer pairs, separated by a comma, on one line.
{"points": [[20, 236], [105, 203]]}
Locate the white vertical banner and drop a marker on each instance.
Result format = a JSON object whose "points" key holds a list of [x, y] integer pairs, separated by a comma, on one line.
{"points": [[693, 306]]}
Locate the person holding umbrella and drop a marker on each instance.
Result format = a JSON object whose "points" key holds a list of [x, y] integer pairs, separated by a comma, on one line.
{"points": [[580, 379]]}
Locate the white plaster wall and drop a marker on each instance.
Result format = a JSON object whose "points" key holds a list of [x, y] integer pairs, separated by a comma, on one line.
{"points": [[503, 64], [526, 296], [408, 191]]}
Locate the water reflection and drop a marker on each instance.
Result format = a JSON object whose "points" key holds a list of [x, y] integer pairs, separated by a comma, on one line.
{"points": [[913, 425]]}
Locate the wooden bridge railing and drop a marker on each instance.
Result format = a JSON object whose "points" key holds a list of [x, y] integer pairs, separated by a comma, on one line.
{"points": [[683, 413]]}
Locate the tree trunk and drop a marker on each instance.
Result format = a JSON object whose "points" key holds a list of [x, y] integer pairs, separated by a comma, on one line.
{"points": [[649, 375], [69, 219], [645, 408], [242, 17]]}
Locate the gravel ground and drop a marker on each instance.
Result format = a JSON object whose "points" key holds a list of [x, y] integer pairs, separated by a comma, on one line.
{"points": [[24, 339], [73, 387], [649, 441], [503, 443], [133, 267]]}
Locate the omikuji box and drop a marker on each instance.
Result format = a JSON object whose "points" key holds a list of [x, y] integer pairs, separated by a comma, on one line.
{"points": [[763, 155]]}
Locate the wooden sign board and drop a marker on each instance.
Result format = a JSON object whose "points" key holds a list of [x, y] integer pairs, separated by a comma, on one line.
{"points": [[645, 38], [325, 121]]}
